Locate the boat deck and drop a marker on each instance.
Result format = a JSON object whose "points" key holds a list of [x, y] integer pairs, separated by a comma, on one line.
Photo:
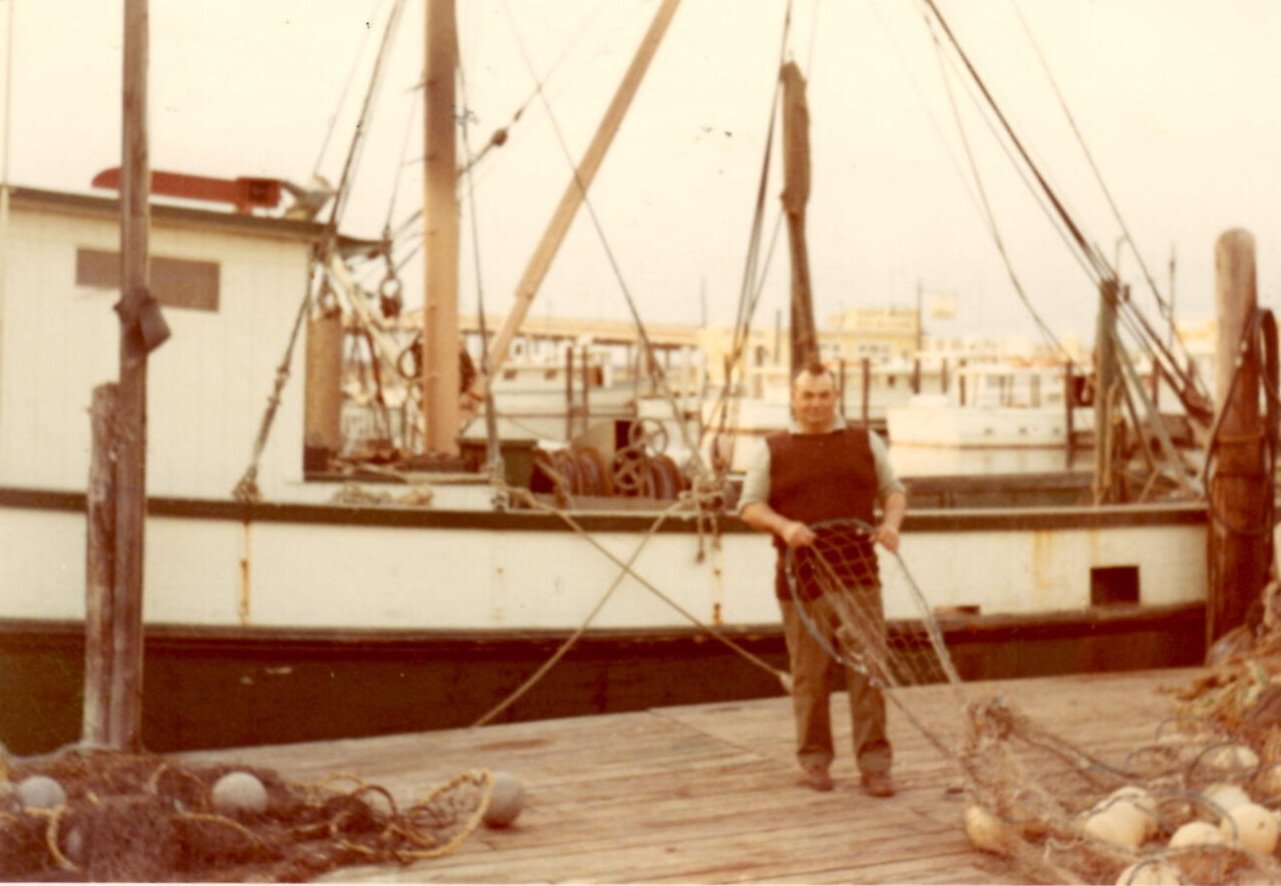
{"points": [[709, 793]]}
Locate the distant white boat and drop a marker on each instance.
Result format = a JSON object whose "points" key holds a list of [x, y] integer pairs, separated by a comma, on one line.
{"points": [[994, 406]]}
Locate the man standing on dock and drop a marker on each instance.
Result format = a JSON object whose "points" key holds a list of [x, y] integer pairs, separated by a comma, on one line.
{"points": [[821, 469]]}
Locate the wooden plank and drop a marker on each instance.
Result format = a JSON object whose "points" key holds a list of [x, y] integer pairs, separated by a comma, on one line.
{"points": [[709, 793]]}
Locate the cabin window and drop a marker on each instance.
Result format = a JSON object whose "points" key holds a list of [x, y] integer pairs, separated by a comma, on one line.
{"points": [[1114, 585], [175, 282]]}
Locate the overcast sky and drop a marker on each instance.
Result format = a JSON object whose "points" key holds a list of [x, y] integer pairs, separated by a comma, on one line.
{"points": [[1175, 99]]}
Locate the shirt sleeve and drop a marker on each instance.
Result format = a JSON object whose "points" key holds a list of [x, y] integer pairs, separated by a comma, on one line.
{"points": [[756, 479], [886, 480]]}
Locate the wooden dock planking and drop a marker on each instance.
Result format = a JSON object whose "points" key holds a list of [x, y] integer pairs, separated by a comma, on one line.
{"points": [[709, 793]]}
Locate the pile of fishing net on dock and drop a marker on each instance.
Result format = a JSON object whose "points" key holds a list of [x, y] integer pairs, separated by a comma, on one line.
{"points": [[98, 815], [1194, 802]]}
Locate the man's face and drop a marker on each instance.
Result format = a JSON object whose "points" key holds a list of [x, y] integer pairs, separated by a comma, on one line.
{"points": [[814, 401]]}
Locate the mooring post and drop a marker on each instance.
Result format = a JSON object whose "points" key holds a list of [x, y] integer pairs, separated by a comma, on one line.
{"points": [[1239, 485], [100, 558]]}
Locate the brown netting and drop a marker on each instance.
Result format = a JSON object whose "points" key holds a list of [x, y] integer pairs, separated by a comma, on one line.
{"points": [[141, 817], [1057, 812]]}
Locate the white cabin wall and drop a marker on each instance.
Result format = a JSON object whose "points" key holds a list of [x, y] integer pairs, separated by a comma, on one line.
{"points": [[208, 385], [59, 342]]}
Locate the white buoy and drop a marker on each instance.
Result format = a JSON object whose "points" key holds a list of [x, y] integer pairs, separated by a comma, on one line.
{"points": [[1151, 872], [1226, 796], [238, 792], [1232, 756], [1252, 826], [985, 830], [506, 800], [40, 792], [1196, 833]]}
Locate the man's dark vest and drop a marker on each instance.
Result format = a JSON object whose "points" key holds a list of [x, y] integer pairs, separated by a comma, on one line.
{"points": [[819, 477]]}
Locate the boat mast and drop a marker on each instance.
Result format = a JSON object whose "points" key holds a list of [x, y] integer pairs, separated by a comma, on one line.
{"points": [[796, 193], [440, 372]]}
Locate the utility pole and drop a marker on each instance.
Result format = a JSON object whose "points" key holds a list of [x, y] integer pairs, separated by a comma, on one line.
{"points": [[141, 329]]}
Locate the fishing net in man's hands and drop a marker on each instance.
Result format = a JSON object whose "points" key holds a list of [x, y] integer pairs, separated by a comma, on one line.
{"points": [[1059, 813], [132, 817], [837, 585]]}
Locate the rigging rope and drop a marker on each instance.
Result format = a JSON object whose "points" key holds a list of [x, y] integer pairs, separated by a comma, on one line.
{"points": [[494, 456], [695, 465], [1186, 369], [525, 497], [1258, 342], [343, 191], [1190, 394], [752, 285], [1096, 261], [986, 208], [246, 489], [342, 98]]}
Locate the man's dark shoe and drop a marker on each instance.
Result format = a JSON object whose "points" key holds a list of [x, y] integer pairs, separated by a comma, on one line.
{"points": [[878, 784], [817, 779]]}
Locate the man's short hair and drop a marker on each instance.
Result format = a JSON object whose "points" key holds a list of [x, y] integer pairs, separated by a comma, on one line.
{"points": [[816, 368]]}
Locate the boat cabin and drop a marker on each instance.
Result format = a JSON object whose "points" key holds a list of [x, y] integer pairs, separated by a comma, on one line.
{"points": [[229, 285]]}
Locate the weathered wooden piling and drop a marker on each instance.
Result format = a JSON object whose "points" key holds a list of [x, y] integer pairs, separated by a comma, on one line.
{"points": [[100, 558], [1239, 486]]}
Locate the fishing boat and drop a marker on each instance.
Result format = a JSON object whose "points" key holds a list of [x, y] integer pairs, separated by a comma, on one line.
{"points": [[291, 595]]}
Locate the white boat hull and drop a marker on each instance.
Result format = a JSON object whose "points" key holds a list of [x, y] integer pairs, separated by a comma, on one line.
{"points": [[329, 566]]}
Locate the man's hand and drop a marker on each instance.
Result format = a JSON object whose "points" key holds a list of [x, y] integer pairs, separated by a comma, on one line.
{"points": [[887, 536], [797, 535], [794, 534]]}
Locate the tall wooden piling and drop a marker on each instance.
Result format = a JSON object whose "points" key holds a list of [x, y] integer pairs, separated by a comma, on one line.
{"points": [[1239, 486], [124, 721]]}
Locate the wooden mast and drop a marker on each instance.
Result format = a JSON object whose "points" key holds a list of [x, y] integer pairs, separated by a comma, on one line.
{"points": [[1107, 486], [440, 373], [540, 262], [796, 194]]}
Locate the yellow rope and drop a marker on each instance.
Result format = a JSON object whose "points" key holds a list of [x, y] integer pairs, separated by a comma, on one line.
{"points": [[481, 778], [51, 835], [715, 633], [211, 818], [582, 628]]}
